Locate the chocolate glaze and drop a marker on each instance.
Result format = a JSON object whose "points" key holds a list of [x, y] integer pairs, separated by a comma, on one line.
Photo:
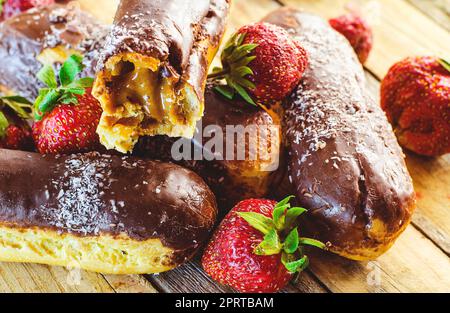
{"points": [[93, 194], [345, 163], [170, 31], [223, 176], [24, 37]]}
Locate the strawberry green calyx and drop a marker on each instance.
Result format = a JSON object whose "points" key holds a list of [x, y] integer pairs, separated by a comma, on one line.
{"points": [[274, 230], [235, 59], [3, 124], [18, 105], [69, 88], [445, 64], [2, 3]]}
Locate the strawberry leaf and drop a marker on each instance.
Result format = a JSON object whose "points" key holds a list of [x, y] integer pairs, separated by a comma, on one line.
{"points": [[48, 102], [20, 105], [279, 216], [85, 82], [225, 91], [70, 88], [3, 124], [47, 76], [243, 93], [257, 221], [445, 64], [312, 242], [295, 266], [292, 214], [270, 245], [2, 3], [70, 69], [292, 242]]}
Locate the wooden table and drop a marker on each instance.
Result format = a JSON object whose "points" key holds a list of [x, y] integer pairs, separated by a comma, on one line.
{"points": [[418, 262]]}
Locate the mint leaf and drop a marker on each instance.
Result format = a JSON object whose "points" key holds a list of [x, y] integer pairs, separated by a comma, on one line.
{"points": [[295, 266], [3, 124], [292, 242], [47, 76], [258, 221], [445, 64], [312, 242], [70, 69], [270, 245]]}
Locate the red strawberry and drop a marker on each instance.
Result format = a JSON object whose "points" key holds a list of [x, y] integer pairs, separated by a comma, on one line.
{"points": [[357, 32], [15, 133], [415, 94], [246, 252], [68, 115], [262, 63], [17, 138], [14, 7], [69, 128]]}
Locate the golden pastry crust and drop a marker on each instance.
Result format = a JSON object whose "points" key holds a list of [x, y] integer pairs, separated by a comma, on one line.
{"points": [[103, 254]]}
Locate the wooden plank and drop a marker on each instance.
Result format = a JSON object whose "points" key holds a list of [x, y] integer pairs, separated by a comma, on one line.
{"points": [[414, 264], [400, 29], [438, 10], [130, 284], [15, 277]]}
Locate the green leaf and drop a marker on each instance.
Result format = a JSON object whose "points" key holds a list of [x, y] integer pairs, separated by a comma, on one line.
{"points": [[77, 91], [47, 76], [243, 71], [2, 2], [295, 266], [285, 201], [68, 98], [225, 91], [70, 69], [312, 242], [245, 83], [20, 105], [270, 245], [3, 124], [292, 214], [292, 242], [17, 99], [257, 221], [48, 102], [445, 64], [279, 216], [85, 82], [243, 93]]}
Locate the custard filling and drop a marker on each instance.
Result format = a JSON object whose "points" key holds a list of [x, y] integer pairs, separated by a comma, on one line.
{"points": [[142, 96]]}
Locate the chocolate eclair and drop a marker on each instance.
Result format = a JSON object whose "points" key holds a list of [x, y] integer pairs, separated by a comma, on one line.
{"points": [[152, 72], [46, 35], [345, 164], [109, 214]]}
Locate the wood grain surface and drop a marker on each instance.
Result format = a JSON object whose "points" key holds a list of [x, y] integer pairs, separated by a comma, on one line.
{"points": [[418, 262]]}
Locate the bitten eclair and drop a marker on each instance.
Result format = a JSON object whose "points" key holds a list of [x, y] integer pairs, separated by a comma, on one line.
{"points": [[46, 35], [344, 161], [152, 72], [102, 213]]}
